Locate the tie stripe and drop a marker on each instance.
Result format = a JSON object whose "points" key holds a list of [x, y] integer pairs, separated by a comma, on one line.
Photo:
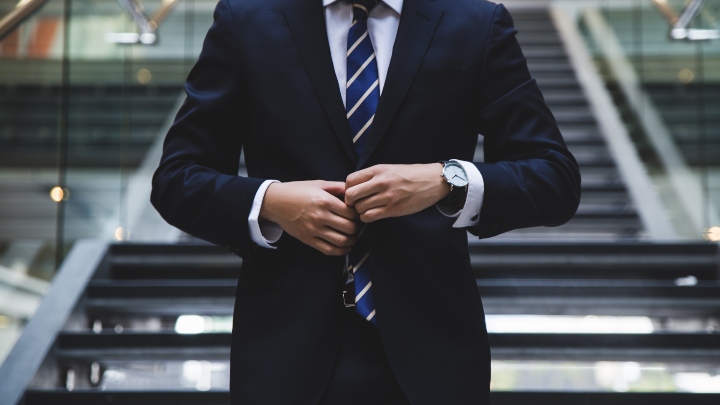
{"points": [[361, 101], [362, 68], [360, 263], [359, 296], [355, 45], [362, 131], [364, 96], [360, 6]]}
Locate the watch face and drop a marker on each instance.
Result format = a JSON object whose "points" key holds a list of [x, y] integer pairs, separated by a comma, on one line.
{"points": [[455, 175]]}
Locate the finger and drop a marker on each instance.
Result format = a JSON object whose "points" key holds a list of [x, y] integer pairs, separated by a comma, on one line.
{"points": [[374, 201], [341, 209], [362, 190], [327, 248], [360, 176], [336, 188], [340, 224], [374, 214], [337, 239]]}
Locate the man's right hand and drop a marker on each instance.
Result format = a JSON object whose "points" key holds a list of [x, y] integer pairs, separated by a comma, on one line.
{"points": [[314, 212]]}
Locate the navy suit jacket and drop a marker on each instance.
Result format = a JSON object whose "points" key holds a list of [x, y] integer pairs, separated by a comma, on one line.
{"points": [[265, 83]]}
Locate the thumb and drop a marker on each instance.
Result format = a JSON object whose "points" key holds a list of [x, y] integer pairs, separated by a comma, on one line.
{"points": [[336, 188]]}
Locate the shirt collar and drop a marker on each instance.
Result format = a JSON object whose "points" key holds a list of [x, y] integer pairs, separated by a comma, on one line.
{"points": [[393, 4]]}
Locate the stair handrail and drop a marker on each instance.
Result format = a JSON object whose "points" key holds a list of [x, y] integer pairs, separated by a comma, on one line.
{"points": [[684, 184], [650, 207], [163, 11], [23, 10], [38, 336], [667, 10], [147, 25], [679, 23]]}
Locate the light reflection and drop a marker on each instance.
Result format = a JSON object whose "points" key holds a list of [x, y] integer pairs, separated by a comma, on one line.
{"points": [[190, 324], [712, 234], [194, 324], [144, 76], [122, 234], [616, 375], [568, 324], [688, 281], [200, 373], [58, 194], [686, 76], [698, 382]]}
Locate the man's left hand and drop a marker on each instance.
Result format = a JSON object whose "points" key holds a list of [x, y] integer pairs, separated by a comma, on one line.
{"points": [[384, 191]]}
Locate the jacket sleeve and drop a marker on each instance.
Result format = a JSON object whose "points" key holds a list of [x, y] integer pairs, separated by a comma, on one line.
{"points": [[531, 179], [196, 187]]}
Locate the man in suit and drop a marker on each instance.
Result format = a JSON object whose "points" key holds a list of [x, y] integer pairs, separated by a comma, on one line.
{"points": [[359, 124]]}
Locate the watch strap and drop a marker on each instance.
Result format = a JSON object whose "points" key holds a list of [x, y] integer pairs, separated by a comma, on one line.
{"points": [[456, 199]]}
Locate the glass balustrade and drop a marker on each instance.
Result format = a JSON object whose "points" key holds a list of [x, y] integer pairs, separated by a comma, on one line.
{"points": [[661, 63], [86, 91]]}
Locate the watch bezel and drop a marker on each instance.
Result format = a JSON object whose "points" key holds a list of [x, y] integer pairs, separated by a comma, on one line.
{"points": [[449, 181]]}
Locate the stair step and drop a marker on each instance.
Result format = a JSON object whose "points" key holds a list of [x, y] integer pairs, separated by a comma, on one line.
{"points": [[222, 397]]}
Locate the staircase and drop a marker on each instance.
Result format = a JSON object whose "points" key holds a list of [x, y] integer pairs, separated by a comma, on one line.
{"points": [[690, 112], [606, 211], [119, 330], [109, 126], [148, 324], [110, 130]]}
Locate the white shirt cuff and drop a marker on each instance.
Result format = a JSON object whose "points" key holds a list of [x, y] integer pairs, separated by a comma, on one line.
{"points": [[469, 215], [263, 233]]}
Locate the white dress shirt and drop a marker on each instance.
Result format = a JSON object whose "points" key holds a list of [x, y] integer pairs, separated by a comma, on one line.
{"points": [[382, 28]]}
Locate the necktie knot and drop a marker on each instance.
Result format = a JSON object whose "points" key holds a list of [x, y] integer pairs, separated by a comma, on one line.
{"points": [[362, 8]]}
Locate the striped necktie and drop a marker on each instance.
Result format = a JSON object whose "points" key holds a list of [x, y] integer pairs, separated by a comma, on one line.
{"points": [[362, 96]]}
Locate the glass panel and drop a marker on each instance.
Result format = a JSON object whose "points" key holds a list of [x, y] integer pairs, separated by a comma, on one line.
{"points": [[669, 97], [30, 109], [122, 93], [80, 112]]}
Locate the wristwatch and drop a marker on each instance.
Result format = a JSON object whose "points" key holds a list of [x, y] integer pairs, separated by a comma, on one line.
{"points": [[455, 176]]}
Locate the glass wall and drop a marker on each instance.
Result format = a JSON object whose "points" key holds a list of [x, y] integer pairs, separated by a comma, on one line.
{"points": [[661, 63], [86, 90]]}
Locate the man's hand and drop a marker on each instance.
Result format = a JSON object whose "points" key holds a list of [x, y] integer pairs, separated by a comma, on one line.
{"points": [[384, 191], [314, 213]]}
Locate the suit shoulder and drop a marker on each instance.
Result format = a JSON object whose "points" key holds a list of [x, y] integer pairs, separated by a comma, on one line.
{"points": [[473, 15], [470, 11], [476, 7], [253, 5]]}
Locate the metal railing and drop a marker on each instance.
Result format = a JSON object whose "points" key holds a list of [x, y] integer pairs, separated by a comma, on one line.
{"points": [[680, 22], [23, 10], [146, 25]]}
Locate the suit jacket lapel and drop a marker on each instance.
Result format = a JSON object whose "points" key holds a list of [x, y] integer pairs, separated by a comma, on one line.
{"points": [[307, 24], [417, 25]]}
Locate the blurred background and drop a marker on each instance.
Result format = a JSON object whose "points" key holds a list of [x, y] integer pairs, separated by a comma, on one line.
{"points": [[621, 304]]}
